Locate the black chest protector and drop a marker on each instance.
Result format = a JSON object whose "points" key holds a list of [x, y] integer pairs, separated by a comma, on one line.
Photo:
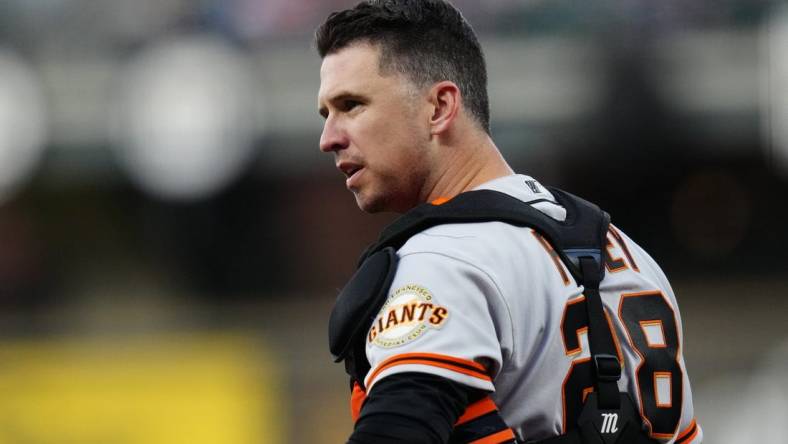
{"points": [[580, 241]]}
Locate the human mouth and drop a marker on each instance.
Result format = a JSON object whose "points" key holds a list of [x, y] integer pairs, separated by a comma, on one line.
{"points": [[352, 180], [352, 172]]}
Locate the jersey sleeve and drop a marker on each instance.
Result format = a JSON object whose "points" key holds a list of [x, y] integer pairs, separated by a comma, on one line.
{"points": [[441, 317]]}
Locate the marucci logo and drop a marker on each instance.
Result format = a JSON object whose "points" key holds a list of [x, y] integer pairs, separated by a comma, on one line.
{"points": [[609, 423], [405, 316]]}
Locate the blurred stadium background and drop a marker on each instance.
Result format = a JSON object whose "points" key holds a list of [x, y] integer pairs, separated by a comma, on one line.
{"points": [[171, 239]]}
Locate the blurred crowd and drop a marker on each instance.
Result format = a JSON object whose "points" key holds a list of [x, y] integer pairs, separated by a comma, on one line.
{"points": [[159, 165]]}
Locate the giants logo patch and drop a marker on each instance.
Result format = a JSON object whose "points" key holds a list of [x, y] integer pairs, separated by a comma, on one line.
{"points": [[405, 316]]}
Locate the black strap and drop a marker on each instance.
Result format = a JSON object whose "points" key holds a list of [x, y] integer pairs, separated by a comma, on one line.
{"points": [[600, 338], [579, 241], [583, 232]]}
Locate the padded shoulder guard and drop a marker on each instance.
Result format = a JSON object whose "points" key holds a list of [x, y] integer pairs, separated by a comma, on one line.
{"points": [[581, 235], [359, 302]]}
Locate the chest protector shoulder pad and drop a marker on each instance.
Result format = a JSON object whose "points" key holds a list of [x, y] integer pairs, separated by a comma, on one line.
{"points": [[579, 241], [582, 233]]}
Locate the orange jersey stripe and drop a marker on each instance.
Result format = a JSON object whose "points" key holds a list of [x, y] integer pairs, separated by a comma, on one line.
{"points": [[477, 409], [688, 434], [687, 430], [691, 437], [435, 356], [496, 438], [458, 365], [357, 399], [432, 363]]}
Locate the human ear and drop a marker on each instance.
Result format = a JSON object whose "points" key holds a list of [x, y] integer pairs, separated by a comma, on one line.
{"points": [[446, 101]]}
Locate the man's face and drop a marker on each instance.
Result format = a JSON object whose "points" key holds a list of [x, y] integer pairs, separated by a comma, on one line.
{"points": [[377, 127]]}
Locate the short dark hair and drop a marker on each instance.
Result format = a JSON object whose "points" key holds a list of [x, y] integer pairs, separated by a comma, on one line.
{"points": [[426, 40]]}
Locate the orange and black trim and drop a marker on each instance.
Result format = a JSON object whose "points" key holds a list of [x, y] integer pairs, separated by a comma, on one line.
{"points": [[463, 366], [357, 398], [481, 424], [553, 255], [620, 240], [688, 434], [613, 264]]}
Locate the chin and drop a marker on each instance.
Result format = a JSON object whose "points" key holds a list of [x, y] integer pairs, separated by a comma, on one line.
{"points": [[382, 204], [368, 205], [371, 203]]}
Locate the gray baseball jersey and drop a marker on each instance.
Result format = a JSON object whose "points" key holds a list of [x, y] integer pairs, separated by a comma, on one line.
{"points": [[491, 305]]}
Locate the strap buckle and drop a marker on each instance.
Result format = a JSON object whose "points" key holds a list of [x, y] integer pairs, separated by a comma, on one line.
{"points": [[607, 367]]}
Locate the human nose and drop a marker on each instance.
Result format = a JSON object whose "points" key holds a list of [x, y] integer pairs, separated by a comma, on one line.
{"points": [[333, 137]]}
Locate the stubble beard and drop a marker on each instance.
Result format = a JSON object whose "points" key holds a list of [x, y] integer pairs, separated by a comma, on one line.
{"points": [[399, 191], [395, 196], [372, 203]]}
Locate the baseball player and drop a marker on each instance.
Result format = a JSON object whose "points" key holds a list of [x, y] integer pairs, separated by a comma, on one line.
{"points": [[472, 320]]}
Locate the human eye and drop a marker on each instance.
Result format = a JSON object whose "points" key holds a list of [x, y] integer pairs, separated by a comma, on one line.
{"points": [[350, 105]]}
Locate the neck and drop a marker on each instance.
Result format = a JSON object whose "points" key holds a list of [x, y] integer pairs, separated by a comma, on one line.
{"points": [[465, 167]]}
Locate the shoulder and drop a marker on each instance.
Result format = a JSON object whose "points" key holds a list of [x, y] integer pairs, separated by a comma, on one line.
{"points": [[452, 251], [493, 259], [484, 245], [489, 247], [640, 260]]}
